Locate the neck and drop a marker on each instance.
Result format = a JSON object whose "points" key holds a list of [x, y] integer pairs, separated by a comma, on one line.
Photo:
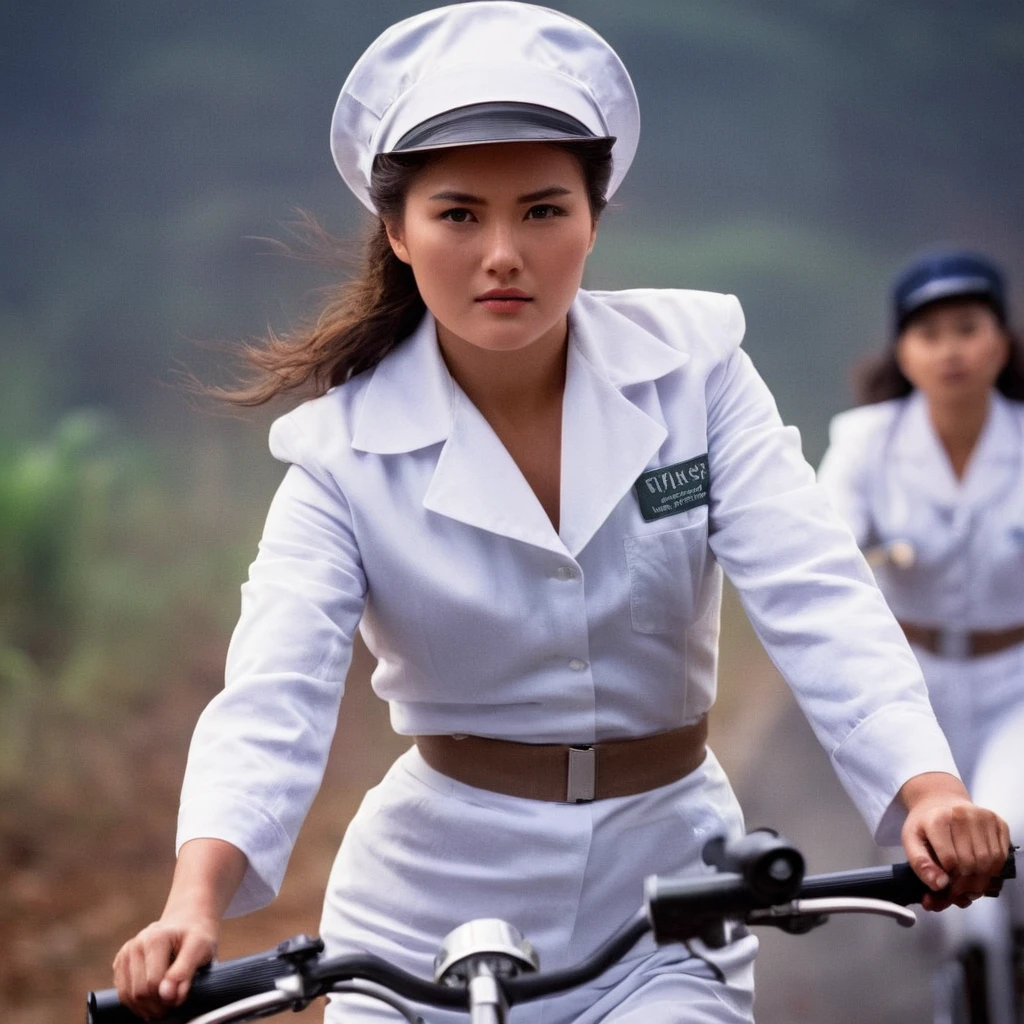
{"points": [[508, 384], [958, 425]]}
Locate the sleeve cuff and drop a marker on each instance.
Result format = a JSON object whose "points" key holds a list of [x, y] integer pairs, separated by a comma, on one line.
{"points": [[260, 837], [887, 748]]}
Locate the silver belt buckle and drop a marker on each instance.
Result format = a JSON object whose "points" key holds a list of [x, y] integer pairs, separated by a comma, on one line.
{"points": [[581, 778], [954, 643]]}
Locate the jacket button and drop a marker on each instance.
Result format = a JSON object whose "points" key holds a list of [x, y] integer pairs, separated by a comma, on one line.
{"points": [[565, 572], [577, 664]]}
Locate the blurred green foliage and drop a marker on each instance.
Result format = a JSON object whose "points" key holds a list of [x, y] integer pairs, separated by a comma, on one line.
{"points": [[104, 563]]}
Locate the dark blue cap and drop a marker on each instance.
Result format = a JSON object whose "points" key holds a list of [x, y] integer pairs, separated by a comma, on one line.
{"points": [[947, 275]]}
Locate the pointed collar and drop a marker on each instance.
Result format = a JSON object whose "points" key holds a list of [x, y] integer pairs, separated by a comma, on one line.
{"points": [[409, 402], [1000, 439], [619, 349], [918, 447], [607, 441], [410, 399]]}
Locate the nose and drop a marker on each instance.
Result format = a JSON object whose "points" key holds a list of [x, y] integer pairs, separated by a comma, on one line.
{"points": [[951, 344], [502, 256]]}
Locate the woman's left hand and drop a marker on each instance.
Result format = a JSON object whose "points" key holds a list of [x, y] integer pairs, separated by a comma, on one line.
{"points": [[950, 841]]}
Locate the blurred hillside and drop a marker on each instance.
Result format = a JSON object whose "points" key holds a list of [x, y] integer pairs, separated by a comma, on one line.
{"points": [[792, 152]]}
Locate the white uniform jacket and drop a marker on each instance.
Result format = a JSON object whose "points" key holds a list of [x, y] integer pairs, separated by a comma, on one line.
{"points": [[889, 477], [403, 515]]}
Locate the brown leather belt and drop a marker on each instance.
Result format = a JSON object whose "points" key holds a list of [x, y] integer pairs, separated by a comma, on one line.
{"points": [[568, 773], [963, 644]]}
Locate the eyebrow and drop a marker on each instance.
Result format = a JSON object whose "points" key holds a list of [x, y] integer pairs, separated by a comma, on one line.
{"points": [[451, 196]]}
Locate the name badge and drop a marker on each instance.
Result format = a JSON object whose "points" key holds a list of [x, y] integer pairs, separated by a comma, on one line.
{"points": [[673, 489]]}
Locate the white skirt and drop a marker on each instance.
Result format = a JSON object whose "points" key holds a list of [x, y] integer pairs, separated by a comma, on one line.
{"points": [[425, 853], [979, 703], [973, 699]]}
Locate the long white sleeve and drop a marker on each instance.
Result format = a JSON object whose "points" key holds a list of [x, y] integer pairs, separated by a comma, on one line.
{"points": [[813, 602], [259, 748], [847, 466]]}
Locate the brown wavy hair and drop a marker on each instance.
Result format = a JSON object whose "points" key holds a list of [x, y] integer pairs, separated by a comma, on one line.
{"points": [[365, 317], [880, 378]]}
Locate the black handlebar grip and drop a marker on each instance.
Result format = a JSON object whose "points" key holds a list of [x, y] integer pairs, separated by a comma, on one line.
{"points": [[103, 1007], [213, 986], [897, 883]]}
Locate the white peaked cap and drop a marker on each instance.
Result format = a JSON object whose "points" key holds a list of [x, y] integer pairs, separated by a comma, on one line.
{"points": [[485, 71]]}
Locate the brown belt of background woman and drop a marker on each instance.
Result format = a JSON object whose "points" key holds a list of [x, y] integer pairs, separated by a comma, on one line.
{"points": [[972, 643]]}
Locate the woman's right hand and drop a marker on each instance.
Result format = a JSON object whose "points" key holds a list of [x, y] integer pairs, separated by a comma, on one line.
{"points": [[154, 970]]}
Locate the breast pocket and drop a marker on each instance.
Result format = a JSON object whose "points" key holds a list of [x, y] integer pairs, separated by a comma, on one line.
{"points": [[665, 573]]}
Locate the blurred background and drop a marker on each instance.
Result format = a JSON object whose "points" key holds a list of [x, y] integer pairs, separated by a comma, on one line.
{"points": [[794, 153]]}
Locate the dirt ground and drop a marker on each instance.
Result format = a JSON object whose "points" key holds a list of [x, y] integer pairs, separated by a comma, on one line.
{"points": [[86, 842], [86, 847]]}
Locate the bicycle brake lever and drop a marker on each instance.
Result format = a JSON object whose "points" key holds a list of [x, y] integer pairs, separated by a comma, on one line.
{"points": [[801, 916], [786, 919]]}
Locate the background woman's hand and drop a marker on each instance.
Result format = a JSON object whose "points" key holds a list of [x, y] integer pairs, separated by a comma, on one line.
{"points": [[950, 841], [153, 971]]}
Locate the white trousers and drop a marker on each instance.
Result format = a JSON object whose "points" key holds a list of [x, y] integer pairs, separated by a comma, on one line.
{"points": [[980, 706], [425, 853]]}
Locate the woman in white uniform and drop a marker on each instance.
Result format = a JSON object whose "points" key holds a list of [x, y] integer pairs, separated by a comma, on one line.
{"points": [[521, 493], [929, 473]]}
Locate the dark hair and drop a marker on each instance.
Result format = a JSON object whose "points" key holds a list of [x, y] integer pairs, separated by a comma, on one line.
{"points": [[880, 379], [380, 306]]}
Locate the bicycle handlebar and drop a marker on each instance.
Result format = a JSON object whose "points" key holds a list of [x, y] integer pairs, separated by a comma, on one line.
{"points": [[761, 875], [215, 985], [896, 883]]}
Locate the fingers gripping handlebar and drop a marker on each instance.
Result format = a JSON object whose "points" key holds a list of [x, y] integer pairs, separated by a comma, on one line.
{"points": [[776, 892], [759, 879], [218, 984]]}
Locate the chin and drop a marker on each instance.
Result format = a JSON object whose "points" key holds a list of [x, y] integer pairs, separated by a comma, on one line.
{"points": [[509, 339], [962, 391]]}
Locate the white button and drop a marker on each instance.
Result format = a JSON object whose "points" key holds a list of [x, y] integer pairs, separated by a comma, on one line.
{"points": [[565, 572], [577, 665]]}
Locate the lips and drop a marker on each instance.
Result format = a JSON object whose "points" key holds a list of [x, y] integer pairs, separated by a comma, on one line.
{"points": [[504, 300], [504, 295]]}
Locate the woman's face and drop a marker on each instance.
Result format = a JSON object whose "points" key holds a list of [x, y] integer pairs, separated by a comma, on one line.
{"points": [[953, 350], [497, 237]]}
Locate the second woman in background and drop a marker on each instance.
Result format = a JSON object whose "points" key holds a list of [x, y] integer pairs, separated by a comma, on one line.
{"points": [[929, 473]]}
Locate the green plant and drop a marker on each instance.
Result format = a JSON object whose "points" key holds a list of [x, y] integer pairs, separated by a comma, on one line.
{"points": [[101, 562]]}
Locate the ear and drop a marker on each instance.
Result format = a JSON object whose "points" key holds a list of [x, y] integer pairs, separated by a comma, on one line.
{"points": [[397, 245], [593, 237]]}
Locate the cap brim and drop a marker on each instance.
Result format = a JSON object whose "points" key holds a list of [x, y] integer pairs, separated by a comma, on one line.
{"points": [[482, 123], [959, 286]]}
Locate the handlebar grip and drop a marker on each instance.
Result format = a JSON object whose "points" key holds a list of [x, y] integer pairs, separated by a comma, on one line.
{"points": [[213, 986], [896, 883]]}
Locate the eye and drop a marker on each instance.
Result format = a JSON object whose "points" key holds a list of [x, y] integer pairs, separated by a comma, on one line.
{"points": [[544, 211], [458, 215]]}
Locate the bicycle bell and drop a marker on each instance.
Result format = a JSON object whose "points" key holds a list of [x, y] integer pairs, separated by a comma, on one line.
{"points": [[489, 940]]}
